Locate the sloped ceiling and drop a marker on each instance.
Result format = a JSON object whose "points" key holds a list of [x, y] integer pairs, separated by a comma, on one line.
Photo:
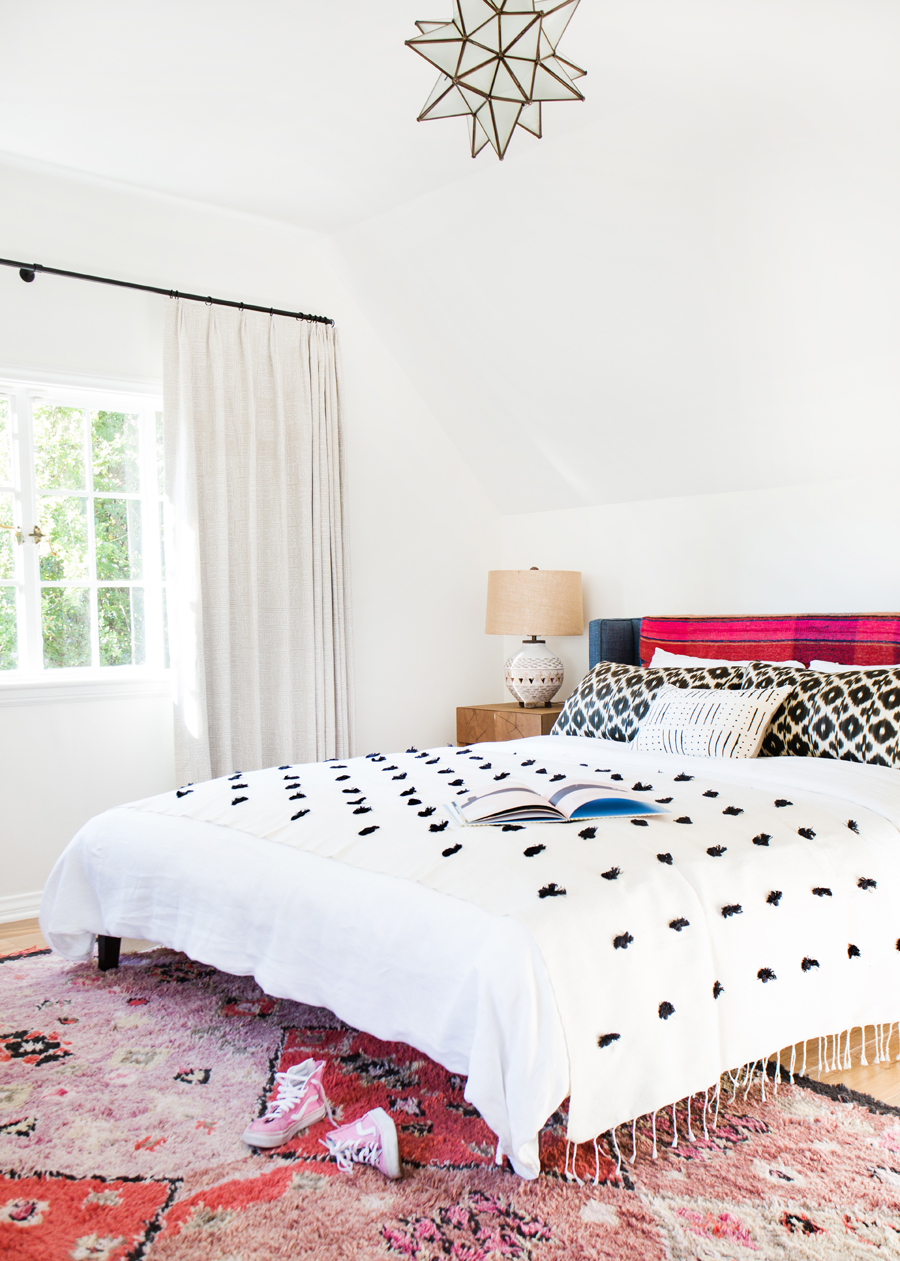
{"points": [[692, 283]]}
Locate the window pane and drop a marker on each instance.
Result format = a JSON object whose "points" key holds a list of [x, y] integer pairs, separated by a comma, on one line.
{"points": [[9, 657], [160, 450], [114, 446], [7, 539], [121, 614], [59, 447], [66, 626], [162, 541], [64, 550], [5, 442], [117, 528]]}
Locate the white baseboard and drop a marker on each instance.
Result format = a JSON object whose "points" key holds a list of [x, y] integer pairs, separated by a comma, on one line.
{"points": [[20, 906]]}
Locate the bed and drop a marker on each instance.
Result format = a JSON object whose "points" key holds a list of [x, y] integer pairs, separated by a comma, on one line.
{"points": [[622, 966]]}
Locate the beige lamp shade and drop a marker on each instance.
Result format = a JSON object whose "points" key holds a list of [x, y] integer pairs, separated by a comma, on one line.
{"points": [[534, 602]]}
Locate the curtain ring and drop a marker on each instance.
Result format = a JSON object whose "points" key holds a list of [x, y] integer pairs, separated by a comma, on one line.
{"points": [[209, 301]]}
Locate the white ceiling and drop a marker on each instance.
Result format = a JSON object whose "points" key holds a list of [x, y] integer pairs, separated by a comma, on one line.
{"points": [[302, 110], [691, 284]]}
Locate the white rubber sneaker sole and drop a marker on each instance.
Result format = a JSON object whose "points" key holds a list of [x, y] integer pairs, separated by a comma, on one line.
{"points": [[388, 1134], [258, 1139]]}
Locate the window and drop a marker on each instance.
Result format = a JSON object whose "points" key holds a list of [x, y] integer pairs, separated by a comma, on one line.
{"points": [[82, 565]]}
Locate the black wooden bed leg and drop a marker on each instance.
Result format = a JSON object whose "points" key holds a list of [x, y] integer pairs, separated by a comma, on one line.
{"points": [[108, 952]]}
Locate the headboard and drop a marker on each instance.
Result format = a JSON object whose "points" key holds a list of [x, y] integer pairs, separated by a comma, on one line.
{"points": [[848, 638]]}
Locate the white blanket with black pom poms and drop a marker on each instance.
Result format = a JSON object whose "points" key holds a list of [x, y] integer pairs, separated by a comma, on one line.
{"points": [[764, 909]]}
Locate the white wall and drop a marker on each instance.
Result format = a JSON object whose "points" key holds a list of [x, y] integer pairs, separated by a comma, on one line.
{"points": [[692, 281], [422, 531], [825, 548]]}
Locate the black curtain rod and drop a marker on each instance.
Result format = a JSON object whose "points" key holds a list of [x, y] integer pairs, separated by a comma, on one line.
{"points": [[28, 270]]}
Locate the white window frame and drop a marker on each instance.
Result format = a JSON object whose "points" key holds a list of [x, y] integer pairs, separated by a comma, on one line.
{"points": [[32, 680]]}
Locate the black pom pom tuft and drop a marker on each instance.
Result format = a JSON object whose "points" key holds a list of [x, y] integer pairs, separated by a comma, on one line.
{"points": [[612, 874], [853, 826], [551, 891], [587, 834], [640, 823], [439, 827], [532, 850], [237, 801], [783, 802], [762, 839], [718, 988], [853, 952], [683, 779], [679, 923], [607, 1039], [808, 963], [623, 941], [427, 812], [369, 830], [733, 908], [774, 897], [733, 810], [454, 849], [512, 827], [807, 833], [716, 851], [864, 883], [666, 1010], [766, 974], [664, 858], [710, 793], [822, 893]]}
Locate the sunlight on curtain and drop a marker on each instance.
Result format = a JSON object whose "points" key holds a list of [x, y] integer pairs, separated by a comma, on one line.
{"points": [[258, 621]]}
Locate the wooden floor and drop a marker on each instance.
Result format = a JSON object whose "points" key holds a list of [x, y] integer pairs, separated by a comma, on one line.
{"points": [[25, 932], [882, 1081]]}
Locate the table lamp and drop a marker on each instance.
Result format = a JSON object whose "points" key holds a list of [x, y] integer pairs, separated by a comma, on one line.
{"points": [[534, 602]]}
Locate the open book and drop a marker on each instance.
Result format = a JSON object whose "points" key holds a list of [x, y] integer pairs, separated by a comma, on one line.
{"points": [[514, 803]]}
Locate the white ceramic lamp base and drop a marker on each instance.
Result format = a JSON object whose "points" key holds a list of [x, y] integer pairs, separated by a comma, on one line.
{"points": [[534, 675]]}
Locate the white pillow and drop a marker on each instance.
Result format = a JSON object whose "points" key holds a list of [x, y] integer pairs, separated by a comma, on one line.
{"points": [[663, 658], [708, 722], [833, 667]]}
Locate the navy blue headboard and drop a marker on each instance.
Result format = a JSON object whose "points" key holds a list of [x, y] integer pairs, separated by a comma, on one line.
{"points": [[615, 639]]}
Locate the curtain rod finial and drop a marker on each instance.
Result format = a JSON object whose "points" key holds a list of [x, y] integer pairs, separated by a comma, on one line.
{"points": [[27, 274]]}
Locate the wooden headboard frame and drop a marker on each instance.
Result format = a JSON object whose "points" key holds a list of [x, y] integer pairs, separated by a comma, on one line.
{"points": [[848, 638]]}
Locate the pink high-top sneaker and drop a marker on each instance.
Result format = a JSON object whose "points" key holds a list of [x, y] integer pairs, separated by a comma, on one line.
{"points": [[299, 1102], [372, 1140]]}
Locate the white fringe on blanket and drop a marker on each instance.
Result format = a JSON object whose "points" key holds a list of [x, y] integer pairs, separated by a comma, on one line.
{"points": [[840, 1060]]}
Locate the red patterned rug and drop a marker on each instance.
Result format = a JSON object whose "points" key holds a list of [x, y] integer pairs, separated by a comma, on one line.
{"points": [[123, 1096]]}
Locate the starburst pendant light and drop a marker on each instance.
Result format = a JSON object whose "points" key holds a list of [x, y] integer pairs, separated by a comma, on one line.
{"points": [[498, 63]]}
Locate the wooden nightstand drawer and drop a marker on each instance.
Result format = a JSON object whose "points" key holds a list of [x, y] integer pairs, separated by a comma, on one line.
{"points": [[508, 721]]}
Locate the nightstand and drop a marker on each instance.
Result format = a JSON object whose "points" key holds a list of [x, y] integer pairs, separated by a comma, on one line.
{"points": [[506, 721]]}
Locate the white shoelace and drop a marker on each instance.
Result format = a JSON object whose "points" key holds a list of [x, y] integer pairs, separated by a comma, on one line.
{"points": [[290, 1089], [350, 1150]]}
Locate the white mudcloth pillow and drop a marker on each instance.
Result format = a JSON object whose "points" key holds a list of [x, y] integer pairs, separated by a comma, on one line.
{"points": [[662, 658], [709, 722]]}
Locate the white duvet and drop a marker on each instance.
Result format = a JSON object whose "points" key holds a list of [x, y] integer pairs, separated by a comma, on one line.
{"points": [[626, 965]]}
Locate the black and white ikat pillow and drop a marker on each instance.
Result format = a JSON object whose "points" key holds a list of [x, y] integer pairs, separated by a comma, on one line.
{"points": [[699, 722], [612, 699], [853, 716], [789, 731]]}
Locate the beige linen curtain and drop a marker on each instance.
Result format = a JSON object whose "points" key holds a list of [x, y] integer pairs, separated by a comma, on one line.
{"points": [[257, 608]]}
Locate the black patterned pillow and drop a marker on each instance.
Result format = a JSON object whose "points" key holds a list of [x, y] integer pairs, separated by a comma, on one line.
{"points": [[789, 731], [611, 699], [856, 717]]}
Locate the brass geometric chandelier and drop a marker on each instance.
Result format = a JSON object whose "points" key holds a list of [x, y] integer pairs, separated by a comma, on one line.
{"points": [[498, 62]]}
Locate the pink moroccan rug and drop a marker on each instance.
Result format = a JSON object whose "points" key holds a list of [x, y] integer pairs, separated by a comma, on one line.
{"points": [[123, 1097]]}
